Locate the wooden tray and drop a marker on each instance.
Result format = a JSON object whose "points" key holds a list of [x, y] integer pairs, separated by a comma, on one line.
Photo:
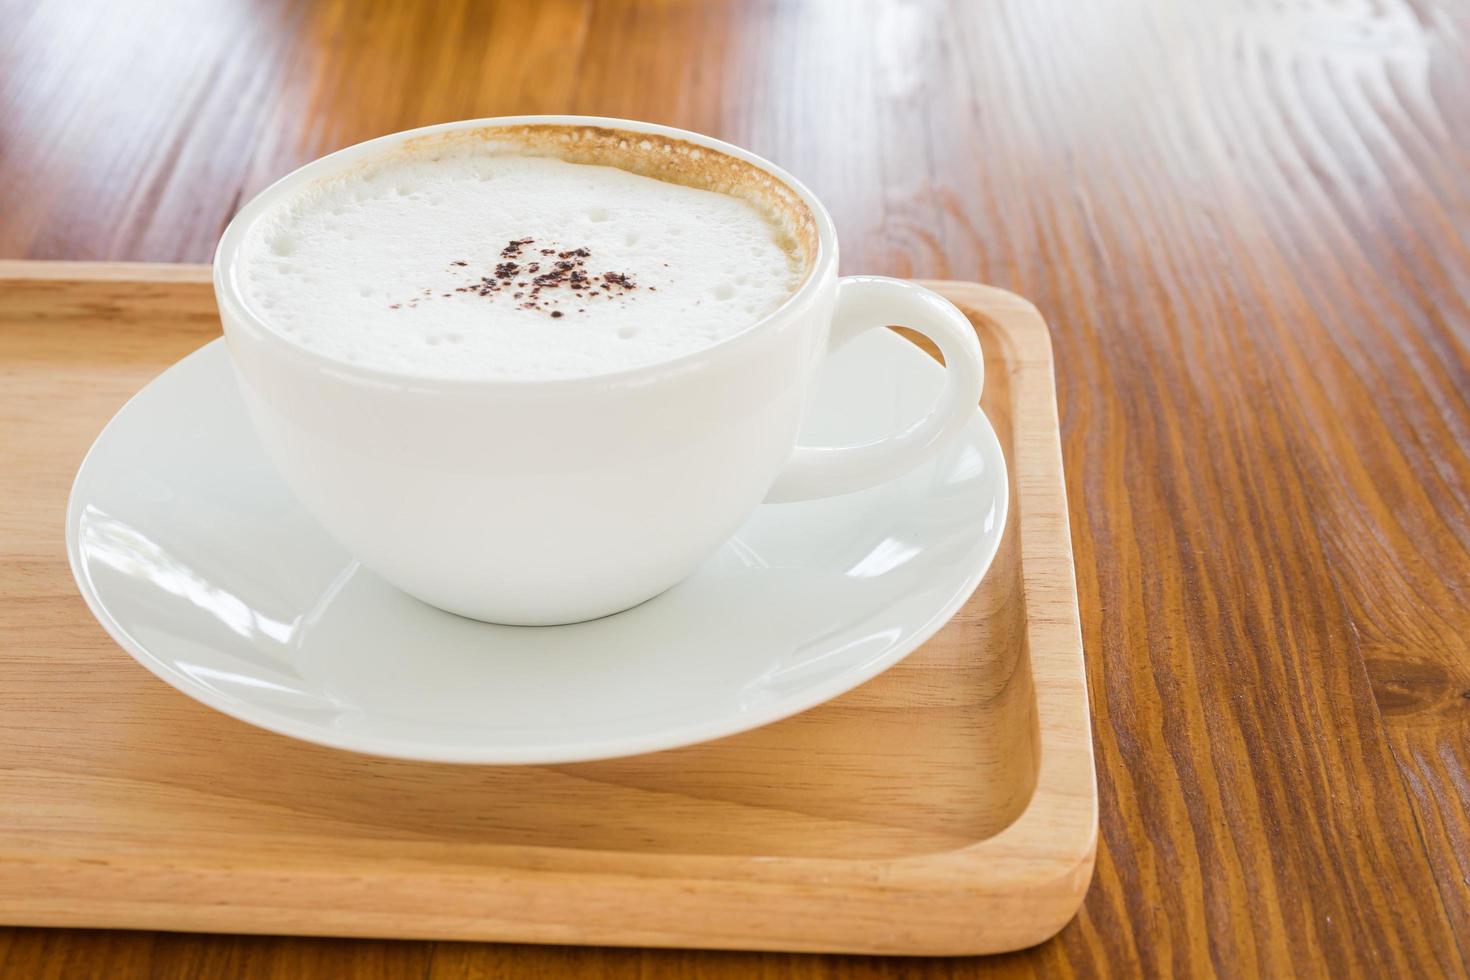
{"points": [[947, 807]]}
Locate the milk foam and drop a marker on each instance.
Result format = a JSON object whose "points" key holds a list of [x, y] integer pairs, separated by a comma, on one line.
{"points": [[403, 267]]}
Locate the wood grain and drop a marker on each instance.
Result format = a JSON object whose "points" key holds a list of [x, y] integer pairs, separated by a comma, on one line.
{"points": [[1245, 222]]}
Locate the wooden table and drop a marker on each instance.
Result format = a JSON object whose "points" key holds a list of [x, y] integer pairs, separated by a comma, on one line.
{"points": [[1247, 224]]}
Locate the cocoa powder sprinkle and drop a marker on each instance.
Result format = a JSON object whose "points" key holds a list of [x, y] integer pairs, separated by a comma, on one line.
{"points": [[568, 270], [513, 248]]}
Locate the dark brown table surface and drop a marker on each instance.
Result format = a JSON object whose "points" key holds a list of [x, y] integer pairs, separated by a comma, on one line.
{"points": [[1248, 222]]}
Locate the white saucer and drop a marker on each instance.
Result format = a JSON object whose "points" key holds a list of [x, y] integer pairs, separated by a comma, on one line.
{"points": [[198, 561]]}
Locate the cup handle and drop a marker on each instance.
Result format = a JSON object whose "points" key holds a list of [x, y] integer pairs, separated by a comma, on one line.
{"points": [[866, 303]]}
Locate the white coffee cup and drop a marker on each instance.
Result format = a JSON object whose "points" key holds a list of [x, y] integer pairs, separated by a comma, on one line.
{"points": [[561, 500]]}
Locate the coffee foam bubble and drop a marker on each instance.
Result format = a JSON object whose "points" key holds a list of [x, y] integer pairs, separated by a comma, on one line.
{"points": [[481, 259]]}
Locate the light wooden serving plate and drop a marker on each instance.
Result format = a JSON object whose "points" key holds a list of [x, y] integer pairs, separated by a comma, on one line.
{"points": [[947, 807]]}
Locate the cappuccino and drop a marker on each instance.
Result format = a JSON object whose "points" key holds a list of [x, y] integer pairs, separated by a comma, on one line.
{"points": [[526, 256]]}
